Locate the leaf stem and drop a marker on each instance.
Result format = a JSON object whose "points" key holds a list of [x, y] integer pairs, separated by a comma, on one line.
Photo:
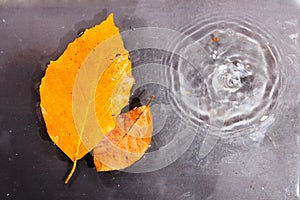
{"points": [[150, 100], [74, 163], [71, 173]]}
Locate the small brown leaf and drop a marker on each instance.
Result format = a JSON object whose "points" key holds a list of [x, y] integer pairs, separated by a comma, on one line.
{"points": [[127, 142]]}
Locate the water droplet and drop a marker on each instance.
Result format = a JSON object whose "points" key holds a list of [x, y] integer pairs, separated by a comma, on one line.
{"points": [[214, 56], [80, 32], [119, 59], [230, 32], [294, 36]]}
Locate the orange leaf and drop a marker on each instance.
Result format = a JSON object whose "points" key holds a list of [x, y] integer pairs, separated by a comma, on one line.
{"points": [[68, 89], [127, 142]]}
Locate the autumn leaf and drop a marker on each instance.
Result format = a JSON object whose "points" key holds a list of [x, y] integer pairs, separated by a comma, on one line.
{"points": [[127, 142], [72, 94]]}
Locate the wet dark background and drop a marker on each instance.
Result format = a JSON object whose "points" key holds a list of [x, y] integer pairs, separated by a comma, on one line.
{"points": [[34, 32]]}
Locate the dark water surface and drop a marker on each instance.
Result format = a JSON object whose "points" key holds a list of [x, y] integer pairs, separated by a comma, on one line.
{"points": [[240, 101]]}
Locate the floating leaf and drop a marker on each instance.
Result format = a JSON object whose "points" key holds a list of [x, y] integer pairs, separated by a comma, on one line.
{"points": [[69, 88], [127, 142]]}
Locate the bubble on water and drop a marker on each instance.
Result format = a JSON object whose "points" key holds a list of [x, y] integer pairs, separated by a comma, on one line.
{"points": [[294, 37], [233, 84]]}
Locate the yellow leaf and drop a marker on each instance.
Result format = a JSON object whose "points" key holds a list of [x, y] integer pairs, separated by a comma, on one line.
{"points": [[69, 88]]}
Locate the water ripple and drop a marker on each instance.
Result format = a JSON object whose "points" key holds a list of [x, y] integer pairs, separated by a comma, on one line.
{"points": [[230, 77]]}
